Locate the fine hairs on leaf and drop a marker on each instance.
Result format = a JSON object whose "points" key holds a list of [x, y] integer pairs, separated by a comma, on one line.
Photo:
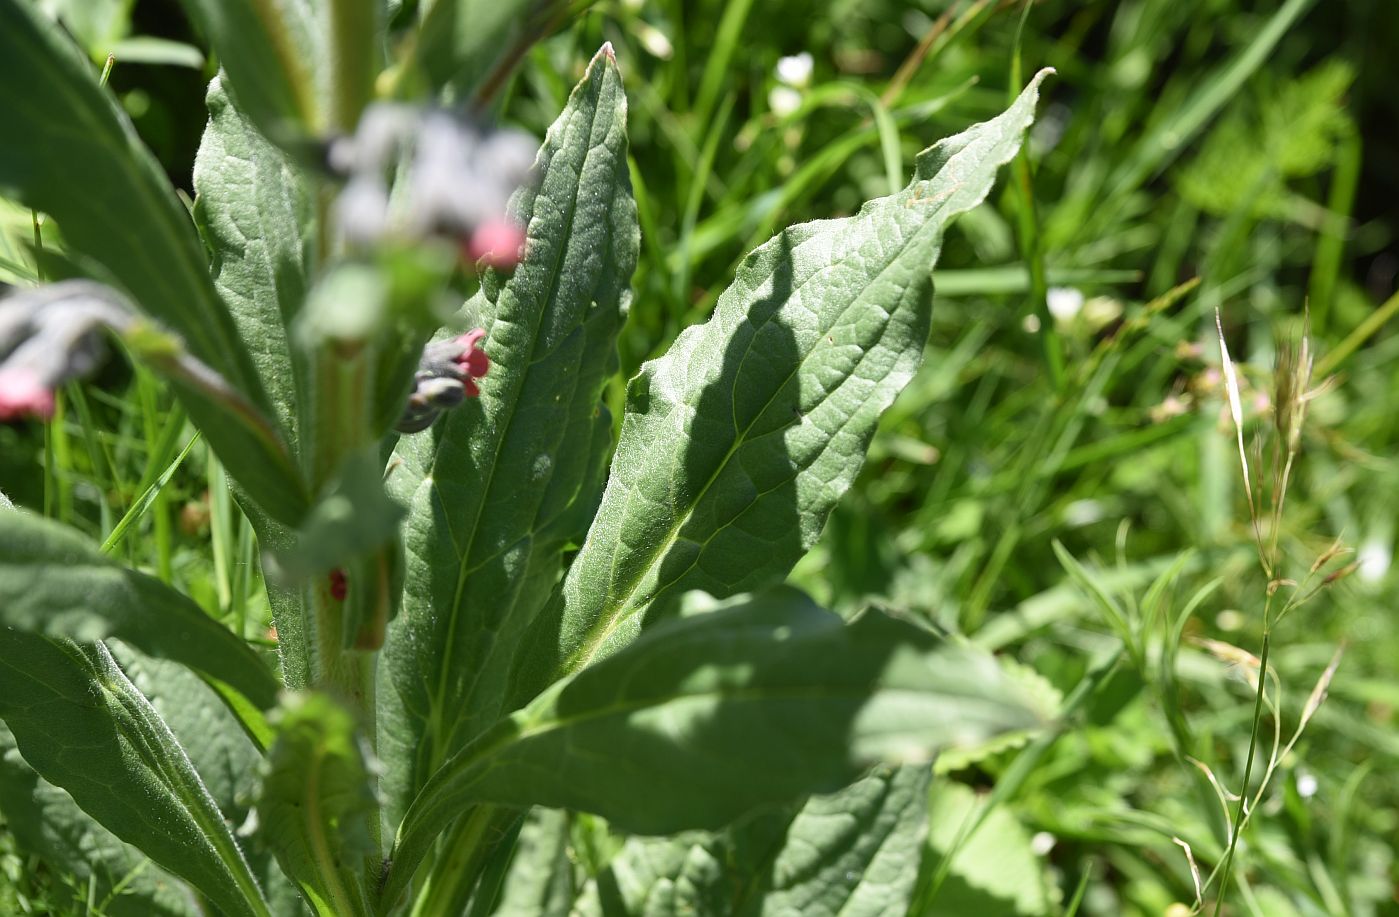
{"points": [[497, 637]]}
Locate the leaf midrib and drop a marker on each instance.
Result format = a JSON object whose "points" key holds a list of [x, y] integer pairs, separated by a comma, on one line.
{"points": [[436, 702], [620, 612]]}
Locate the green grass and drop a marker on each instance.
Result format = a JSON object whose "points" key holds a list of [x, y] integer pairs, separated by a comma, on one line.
{"points": [[1069, 496]]}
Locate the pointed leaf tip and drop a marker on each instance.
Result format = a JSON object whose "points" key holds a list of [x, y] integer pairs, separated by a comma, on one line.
{"points": [[607, 52]]}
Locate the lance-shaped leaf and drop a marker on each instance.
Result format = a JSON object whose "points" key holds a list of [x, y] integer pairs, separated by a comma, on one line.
{"points": [[855, 852], [45, 821], [256, 211], [316, 805], [82, 163], [499, 485], [53, 582], [82, 725], [739, 441], [712, 715]]}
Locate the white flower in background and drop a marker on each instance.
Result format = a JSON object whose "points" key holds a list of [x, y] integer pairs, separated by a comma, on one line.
{"points": [[795, 70], [783, 100], [1306, 785], [1064, 303], [1374, 559]]}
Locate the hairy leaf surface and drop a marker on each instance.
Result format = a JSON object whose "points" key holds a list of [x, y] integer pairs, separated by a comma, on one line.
{"points": [[497, 488], [256, 212], [45, 821], [739, 441], [713, 715], [81, 724], [53, 582]]}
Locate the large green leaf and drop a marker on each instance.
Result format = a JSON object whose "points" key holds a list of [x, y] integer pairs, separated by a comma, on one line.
{"points": [[82, 725], [712, 715], [226, 759], [853, 853], [81, 162], [218, 748], [738, 442], [45, 821], [53, 582], [499, 486], [316, 807], [256, 211]]}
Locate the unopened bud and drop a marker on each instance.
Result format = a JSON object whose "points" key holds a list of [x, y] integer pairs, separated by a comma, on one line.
{"points": [[446, 376]]}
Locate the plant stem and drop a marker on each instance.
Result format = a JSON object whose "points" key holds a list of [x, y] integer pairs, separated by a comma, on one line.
{"points": [[1241, 813]]}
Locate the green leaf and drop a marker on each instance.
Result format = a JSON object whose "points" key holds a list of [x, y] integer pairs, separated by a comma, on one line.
{"points": [[539, 880], [45, 821], [500, 486], [218, 748], [710, 716], [855, 853], [665, 877], [316, 807], [83, 164], [255, 211], [739, 441], [270, 52], [82, 725], [53, 582], [995, 874]]}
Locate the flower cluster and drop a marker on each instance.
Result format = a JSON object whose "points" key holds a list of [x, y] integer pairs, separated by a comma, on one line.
{"points": [[457, 183], [446, 377], [50, 335]]}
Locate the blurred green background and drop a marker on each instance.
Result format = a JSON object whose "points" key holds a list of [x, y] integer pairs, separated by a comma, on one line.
{"points": [[1188, 157]]}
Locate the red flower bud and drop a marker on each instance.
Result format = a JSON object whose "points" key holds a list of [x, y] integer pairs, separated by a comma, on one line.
{"points": [[339, 586], [472, 361]]}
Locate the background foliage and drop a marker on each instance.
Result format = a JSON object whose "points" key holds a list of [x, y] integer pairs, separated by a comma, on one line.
{"points": [[1243, 144]]}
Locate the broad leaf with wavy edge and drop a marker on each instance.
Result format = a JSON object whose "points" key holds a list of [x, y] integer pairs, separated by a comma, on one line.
{"points": [[82, 725], [715, 714], [497, 488], [739, 441]]}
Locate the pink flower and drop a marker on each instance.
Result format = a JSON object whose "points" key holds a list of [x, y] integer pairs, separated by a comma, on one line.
{"points": [[496, 244], [23, 392], [472, 361]]}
